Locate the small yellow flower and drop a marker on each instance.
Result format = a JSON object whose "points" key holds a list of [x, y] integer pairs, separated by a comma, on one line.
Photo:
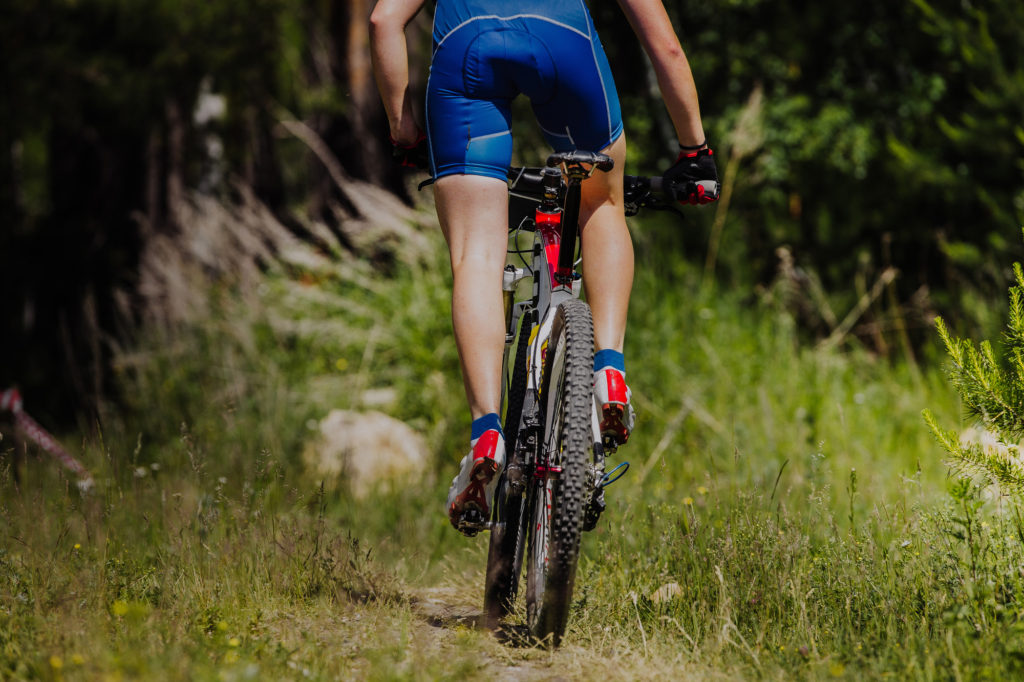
{"points": [[119, 607], [222, 625], [77, 659], [56, 663], [341, 364], [234, 641], [78, 545], [701, 490], [688, 501]]}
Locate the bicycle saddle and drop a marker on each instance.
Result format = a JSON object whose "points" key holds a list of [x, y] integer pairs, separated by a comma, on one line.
{"points": [[602, 161]]}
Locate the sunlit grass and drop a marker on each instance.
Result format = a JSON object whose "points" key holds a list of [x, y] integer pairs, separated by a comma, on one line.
{"points": [[787, 513]]}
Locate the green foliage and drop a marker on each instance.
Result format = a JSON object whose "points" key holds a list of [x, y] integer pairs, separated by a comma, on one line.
{"points": [[892, 133], [782, 517], [991, 389], [71, 60], [889, 135]]}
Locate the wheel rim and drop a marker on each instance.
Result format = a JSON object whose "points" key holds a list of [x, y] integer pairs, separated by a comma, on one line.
{"points": [[542, 529], [545, 489]]}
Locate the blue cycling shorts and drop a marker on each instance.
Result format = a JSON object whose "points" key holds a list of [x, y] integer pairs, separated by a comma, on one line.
{"points": [[548, 51]]}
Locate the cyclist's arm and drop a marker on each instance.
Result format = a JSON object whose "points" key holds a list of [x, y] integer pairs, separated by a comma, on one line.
{"points": [[652, 26], [391, 64]]}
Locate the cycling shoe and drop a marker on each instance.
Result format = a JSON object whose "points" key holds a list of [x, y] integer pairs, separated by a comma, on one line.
{"points": [[612, 397], [471, 492]]}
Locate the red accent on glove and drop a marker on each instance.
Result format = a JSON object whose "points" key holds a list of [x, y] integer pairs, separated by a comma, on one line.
{"points": [[405, 153], [694, 154], [420, 136]]}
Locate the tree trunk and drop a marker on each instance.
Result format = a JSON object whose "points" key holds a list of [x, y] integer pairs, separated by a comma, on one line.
{"points": [[175, 159]]}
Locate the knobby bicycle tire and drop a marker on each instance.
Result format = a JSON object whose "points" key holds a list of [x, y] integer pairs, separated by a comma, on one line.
{"points": [[508, 527], [556, 501]]}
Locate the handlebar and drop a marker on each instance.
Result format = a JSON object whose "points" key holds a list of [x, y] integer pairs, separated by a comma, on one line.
{"points": [[643, 192], [639, 191]]}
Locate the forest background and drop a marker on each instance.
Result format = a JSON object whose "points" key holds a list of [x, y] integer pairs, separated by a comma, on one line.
{"points": [[873, 160], [861, 138]]}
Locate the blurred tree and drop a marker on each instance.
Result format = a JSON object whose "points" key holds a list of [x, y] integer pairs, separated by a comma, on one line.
{"points": [[102, 140], [891, 134]]}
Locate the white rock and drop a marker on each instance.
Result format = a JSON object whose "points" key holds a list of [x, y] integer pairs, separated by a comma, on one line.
{"points": [[364, 449]]}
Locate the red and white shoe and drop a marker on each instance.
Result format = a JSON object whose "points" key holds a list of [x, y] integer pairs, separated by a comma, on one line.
{"points": [[469, 498], [611, 396]]}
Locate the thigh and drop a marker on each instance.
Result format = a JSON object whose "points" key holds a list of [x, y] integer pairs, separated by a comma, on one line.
{"points": [[473, 211]]}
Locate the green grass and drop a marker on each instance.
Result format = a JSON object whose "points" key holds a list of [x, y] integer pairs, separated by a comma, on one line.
{"points": [[789, 499]]}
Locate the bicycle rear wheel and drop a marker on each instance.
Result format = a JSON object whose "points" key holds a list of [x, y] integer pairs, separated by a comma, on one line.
{"points": [[557, 497], [508, 527]]}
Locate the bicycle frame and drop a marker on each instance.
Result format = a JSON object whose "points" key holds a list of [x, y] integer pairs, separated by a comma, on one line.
{"points": [[554, 461], [555, 224]]}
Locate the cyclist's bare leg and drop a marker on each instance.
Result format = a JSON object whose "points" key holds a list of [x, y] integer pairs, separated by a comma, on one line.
{"points": [[473, 211], [607, 250]]}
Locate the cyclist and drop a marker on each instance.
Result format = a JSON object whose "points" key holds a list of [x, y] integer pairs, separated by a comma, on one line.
{"points": [[486, 52]]}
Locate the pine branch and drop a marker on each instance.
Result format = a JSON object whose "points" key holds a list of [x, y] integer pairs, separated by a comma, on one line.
{"points": [[995, 464], [953, 347], [992, 390], [947, 439]]}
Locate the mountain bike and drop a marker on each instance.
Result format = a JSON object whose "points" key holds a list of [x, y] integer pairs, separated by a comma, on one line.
{"points": [[552, 488]]}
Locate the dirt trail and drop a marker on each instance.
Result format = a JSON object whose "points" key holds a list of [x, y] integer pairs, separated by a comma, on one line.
{"points": [[448, 617], [446, 610]]}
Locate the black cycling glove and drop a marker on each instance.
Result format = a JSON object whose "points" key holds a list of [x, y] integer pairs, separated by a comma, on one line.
{"points": [[415, 155], [694, 177]]}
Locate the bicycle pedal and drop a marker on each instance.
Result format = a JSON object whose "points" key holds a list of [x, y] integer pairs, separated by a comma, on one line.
{"points": [[472, 522], [614, 429]]}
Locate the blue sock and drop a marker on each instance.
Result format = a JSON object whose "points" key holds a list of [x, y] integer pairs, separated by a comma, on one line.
{"points": [[486, 423], [609, 358]]}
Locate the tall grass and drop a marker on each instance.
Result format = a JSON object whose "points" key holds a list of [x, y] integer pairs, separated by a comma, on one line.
{"points": [[787, 513]]}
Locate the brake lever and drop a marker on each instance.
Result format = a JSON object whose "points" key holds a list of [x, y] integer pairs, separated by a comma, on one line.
{"points": [[649, 201]]}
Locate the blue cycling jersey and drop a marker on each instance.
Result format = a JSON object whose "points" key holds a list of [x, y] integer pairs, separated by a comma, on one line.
{"points": [[450, 14], [486, 52]]}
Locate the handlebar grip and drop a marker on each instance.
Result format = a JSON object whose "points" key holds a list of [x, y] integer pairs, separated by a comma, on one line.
{"points": [[672, 191], [711, 187]]}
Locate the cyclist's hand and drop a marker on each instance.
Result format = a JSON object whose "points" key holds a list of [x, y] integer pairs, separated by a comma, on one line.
{"points": [[414, 155], [694, 177]]}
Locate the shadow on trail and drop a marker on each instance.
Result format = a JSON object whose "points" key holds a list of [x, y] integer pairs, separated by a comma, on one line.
{"points": [[451, 621], [446, 609], [515, 636]]}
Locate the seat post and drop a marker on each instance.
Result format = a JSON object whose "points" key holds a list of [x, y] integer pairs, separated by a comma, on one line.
{"points": [[565, 274]]}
